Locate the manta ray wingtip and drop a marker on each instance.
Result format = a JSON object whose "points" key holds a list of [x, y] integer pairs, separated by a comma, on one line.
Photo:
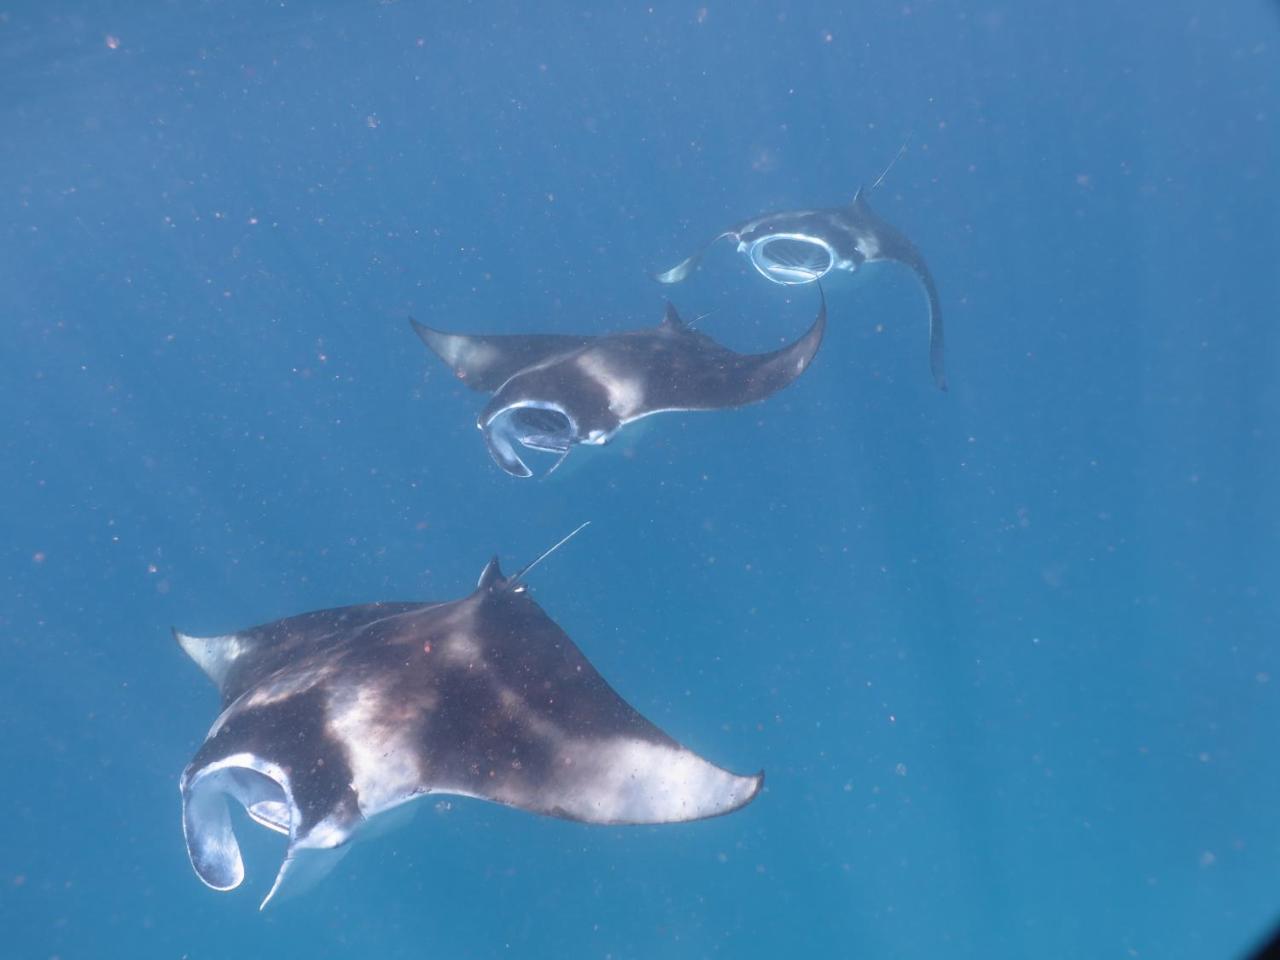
{"points": [[187, 642], [421, 329], [679, 271]]}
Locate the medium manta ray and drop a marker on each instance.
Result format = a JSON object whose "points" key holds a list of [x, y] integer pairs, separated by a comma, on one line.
{"points": [[332, 719], [800, 246], [552, 392]]}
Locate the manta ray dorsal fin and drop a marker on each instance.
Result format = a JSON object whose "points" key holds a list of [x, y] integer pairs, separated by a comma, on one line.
{"points": [[214, 655], [671, 319], [490, 576]]}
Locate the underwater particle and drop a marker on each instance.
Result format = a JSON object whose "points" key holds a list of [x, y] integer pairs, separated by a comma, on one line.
{"points": [[112, 41]]}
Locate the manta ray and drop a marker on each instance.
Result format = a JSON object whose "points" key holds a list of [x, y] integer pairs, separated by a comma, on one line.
{"points": [[333, 720], [553, 392], [801, 246]]}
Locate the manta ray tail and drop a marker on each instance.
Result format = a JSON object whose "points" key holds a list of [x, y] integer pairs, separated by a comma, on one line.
{"points": [[523, 571]]}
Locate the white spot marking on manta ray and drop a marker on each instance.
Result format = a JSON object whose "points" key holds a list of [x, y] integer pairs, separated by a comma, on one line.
{"points": [[461, 648], [626, 394], [377, 732], [214, 655], [274, 690], [462, 353], [867, 246], [285, 685]]}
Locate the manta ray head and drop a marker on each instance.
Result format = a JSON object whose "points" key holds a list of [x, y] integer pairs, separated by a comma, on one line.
{"points": [[263, 788], [542, 425], [791, 258]]}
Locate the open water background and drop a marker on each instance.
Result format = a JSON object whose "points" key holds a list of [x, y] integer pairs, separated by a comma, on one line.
{"points": [[1008, 654]]}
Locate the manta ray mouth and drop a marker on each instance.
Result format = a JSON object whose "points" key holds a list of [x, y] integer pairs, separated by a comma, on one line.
{"points": [[263, 788], [535, 425], [792, 258]]}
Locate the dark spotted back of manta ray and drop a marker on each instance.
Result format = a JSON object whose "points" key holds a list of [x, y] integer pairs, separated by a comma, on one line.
{"points": [[301, 610]]}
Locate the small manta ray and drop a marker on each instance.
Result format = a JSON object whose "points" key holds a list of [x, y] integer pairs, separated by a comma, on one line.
{"points": [[801, 246], [331, 720], [552, 392]]}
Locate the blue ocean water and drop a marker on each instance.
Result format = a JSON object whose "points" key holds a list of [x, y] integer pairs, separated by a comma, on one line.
{"points": [[1008, 654]]}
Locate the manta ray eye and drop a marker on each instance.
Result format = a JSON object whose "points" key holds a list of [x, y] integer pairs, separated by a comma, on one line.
{"points": [[791, 258]]}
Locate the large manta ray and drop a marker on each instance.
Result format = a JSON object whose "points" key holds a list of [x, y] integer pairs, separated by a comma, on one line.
{"points": [[800, 246], [332, 719], [551, 392]]}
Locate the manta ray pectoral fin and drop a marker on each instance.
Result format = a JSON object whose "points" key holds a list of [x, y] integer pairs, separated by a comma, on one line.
{"points": [[935, 336], [906, 254], [680, 270], [892, 244], [214, 655], [685, 267], [466, 356], [486, 362], [636, 781]]}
